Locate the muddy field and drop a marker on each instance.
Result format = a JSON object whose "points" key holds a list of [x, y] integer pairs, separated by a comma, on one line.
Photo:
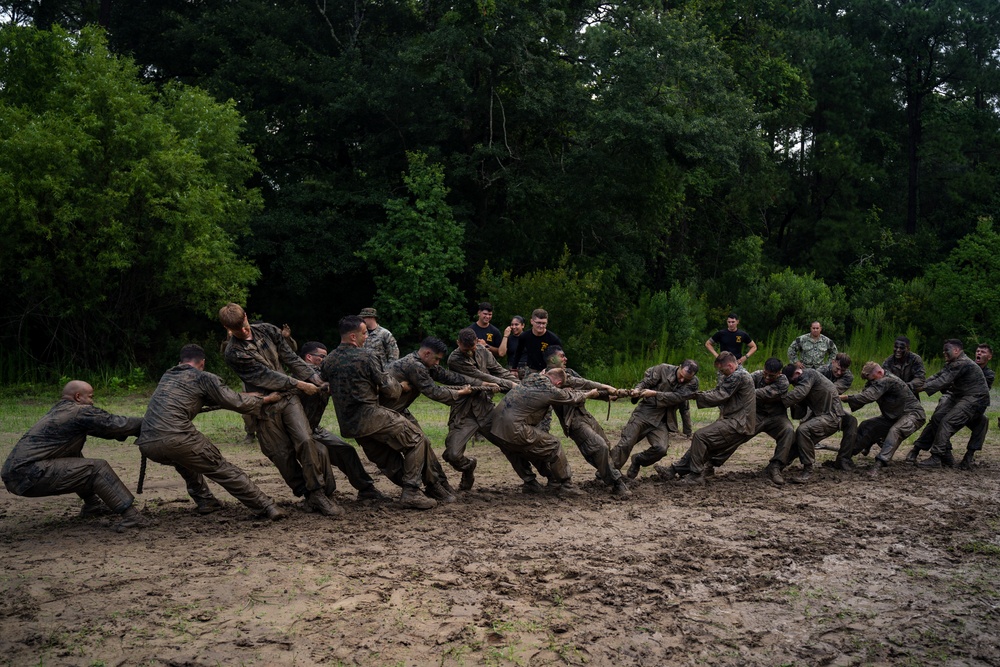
{"points": [[904, 570]]}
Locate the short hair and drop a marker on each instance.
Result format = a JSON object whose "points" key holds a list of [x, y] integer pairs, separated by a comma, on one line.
{"points": [[350, 324], [690, 366], [869, 369], [540, 313], [725, 358], [843, 359], [773, 365], [485, 305], [310, 347], [902, 339], [985, 346], [789, 371], [556, 372], [468, 337], [519, 318], [231, 315], [954, 342], [192, 352], [732, 316], [551, 350], [435, 345]]}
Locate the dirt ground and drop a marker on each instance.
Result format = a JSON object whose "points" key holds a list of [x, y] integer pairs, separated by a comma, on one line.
{"points": [[903, 570]]}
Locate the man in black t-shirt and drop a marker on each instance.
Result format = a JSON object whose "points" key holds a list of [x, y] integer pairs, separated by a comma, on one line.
{"points": [[732, 339], [488, 335], [532, 344]]}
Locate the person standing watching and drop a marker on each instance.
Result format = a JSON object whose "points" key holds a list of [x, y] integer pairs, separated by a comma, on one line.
{"points": [[732, 339]]}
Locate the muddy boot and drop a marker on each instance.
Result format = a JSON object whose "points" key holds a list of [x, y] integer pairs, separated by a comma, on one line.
{"points": [[966, 464], [371, 493], [803, 477], [92, 506], [208, 505], [709, 471], [912, 456], [633, 469], [948, 460], [665, 473], [317, 501], [932, 461], [532, 488], [876, 470], [273, 513], [468, 478], [412, 499], [693, 480], [441, 493], [132, 519], [568, 489], [773, 473], [620, 490], [843, 463]]}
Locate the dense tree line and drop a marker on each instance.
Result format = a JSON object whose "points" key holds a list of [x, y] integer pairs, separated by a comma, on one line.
{"points": [[656, 162]]}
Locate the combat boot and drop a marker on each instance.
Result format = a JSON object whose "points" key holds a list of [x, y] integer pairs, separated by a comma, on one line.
{"points": [[371, 493], [948, 460], [317, 501], [273, 513], [665, 473], [932, 461], [208, 506], [132, 519], [773, 472], [532, 487], [93, 506], [693, 480], [440, 492], [412, 499], [966, 463], [844, 463], [468, 476], [568, 489], [912, 456], [803, 477], [633, 469], [877, 469], [708, 471], [620, 490]]}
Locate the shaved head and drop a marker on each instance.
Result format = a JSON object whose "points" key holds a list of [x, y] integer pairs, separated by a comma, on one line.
{"points": [[78, 391]]}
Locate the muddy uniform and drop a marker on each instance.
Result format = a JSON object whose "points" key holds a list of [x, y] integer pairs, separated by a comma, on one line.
{"points": [[282, 428], [980, 424], [423, 380], [391, 441], [381, 341], [842, 383], [772, 415], [901, 416], [48, 459], [474, 413], [826, 417], [909, 369], [968, 395], [812, 353], [339, 452], [516, 419], [582, 428], [170, 437], [648, 418], [736, 400]]}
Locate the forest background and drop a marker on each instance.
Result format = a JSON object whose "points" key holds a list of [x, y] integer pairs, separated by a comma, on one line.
{"points": [[638, 169]]}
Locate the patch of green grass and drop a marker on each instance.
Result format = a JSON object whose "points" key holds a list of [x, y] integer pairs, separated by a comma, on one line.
{"points": [[979, 547]]}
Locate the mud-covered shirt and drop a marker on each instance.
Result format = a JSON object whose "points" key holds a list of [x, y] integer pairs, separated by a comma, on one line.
{"points": [[423, 380], [815, 391], [670, 392], [768, 396], [357, 382], [893, 396], [260, 361], [736, 401], [910, 369], [61, 434]]}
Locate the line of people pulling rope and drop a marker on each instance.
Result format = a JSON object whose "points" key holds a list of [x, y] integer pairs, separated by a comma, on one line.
{"points": [[287, 394]]}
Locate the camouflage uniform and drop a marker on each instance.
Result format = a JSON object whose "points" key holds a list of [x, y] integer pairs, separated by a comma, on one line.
{"points": [[967, 397], [382, 343], [581, 427], [909, 369], [827, 416], [338, 452], [282, 428], [812, 353], [48, 459], [391, 441], [648, 418], [901, 416], [772, 415], [737, 420], [516, 419], [169, 436], [474, 413]]}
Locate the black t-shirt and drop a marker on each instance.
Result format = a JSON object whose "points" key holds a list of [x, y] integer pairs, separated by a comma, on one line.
{"points": [[512, 344], [489, 333], [530, 348], [732, 341]]}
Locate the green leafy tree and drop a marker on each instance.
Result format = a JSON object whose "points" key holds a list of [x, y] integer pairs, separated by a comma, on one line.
{"points": [[416, 253], [118, 205]]}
